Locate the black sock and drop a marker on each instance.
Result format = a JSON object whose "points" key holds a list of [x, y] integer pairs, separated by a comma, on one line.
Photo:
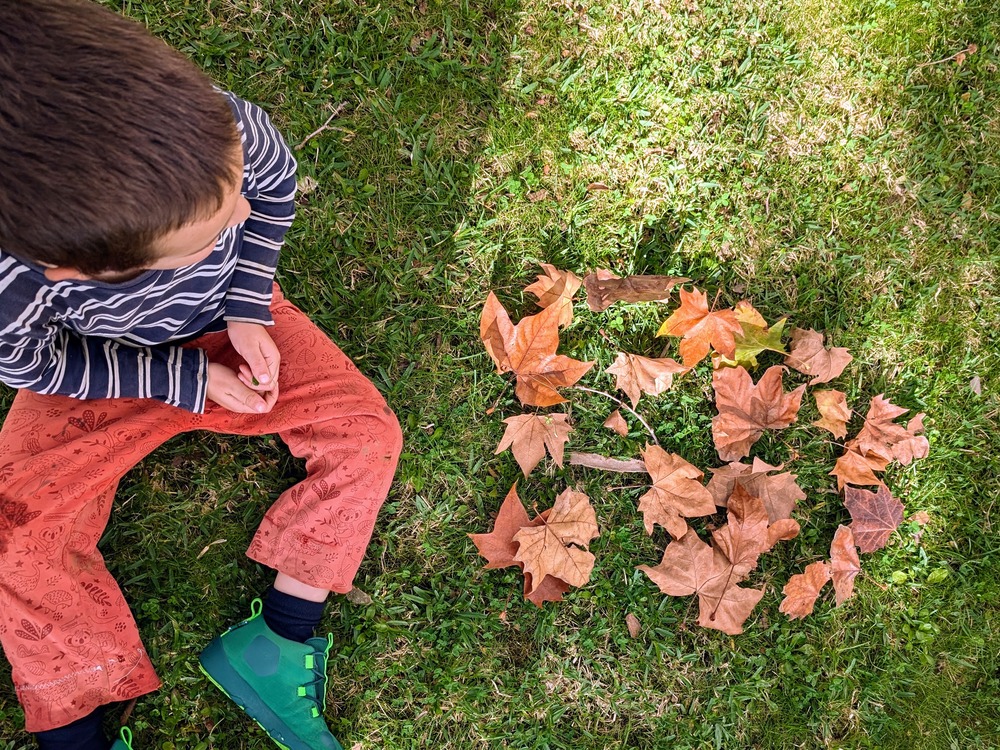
{"points": [[290, 617], [82, 734]]}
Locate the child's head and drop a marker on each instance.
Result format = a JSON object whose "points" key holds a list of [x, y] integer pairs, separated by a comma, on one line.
{"points": [[116, 153]]}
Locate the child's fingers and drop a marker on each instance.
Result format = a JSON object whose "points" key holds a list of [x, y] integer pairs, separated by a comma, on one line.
{"points": [[250, 381]]}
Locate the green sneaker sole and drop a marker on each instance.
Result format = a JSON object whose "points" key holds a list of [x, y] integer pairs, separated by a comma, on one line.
{"points": [[240, 693]]}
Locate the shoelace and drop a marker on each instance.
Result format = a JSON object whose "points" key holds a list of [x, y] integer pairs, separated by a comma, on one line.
{"points": [[318, 667]]}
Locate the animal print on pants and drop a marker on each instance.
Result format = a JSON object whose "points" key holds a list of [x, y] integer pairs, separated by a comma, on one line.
{"points": [[64, 624]]}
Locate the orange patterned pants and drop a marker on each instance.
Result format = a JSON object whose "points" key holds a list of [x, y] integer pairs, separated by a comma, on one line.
{"points": [[64, 625]]}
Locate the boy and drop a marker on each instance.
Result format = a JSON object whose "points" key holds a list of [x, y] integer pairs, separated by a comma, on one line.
{"points": [[141, 215]]}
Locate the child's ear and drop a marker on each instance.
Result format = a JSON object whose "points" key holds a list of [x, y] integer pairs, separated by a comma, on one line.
{"points": [[59, 273]]}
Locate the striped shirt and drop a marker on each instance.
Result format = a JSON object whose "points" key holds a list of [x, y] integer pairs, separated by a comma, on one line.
{"points": [[94, 339]]}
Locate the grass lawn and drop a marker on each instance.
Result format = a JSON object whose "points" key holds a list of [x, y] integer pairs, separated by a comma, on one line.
{"points": [[831, 160]]}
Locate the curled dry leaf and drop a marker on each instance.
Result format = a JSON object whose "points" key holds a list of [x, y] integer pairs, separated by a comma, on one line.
{"points": [[874, 516], [882, 437], [803, 589], [617, 423], [676, 494], [633, 624], [528, 349], [605, 288], [701, 329], [603, 463], [844, 563], [779, 492], [833, 412], [558, 546], [745, 537], [782, 531], [853, 468], [746, 410], [528, 435], [637, 375], [808, 355], [555, 287]]}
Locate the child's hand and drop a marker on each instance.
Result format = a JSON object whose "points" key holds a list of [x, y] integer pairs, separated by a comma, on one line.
{"points": [[252, 342], [227, 390]]}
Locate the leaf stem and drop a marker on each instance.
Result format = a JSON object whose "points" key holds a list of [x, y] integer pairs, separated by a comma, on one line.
{"points": [[621, 405]]}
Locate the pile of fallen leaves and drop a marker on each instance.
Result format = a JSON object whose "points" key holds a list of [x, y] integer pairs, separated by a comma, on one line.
{"points": [[759, 500]]}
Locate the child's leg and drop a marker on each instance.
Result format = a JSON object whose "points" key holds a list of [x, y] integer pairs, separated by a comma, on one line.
{"points": [[66, 628], [331, 415]]}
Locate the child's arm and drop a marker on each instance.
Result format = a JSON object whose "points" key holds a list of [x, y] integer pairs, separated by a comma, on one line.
{"points": [[269, 187]]}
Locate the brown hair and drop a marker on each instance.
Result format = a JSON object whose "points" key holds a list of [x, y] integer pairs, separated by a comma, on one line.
{"points": [[109, 138]]}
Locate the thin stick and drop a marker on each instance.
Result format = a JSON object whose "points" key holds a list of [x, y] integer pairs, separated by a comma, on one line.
{"points": [[325, 126], [622, 405], [970, 50]]}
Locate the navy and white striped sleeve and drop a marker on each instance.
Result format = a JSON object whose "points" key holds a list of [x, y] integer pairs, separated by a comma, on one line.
{"points": [[63, 362], [270, 190]]}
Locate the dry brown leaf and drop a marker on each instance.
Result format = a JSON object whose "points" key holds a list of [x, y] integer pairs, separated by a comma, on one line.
{"points": [[633, 624], [605, 288], [780, 492], [745, 537], [874, 516], [528, 349], [833, 412], [637, 375], [726, 608], [555, 287], [617, 423], [549, 549], [781, 531], [701, 329], [538, 195], [499, 547], [528, 435], [746, 410], [676, 494], [803, 589], [844, 563], [921, 517], [596, 186], [853, 468], [808, 355], [603, 463], [882, 437]]}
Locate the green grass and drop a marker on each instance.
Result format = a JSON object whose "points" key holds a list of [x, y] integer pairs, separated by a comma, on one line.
{"points": [[803, 154]]}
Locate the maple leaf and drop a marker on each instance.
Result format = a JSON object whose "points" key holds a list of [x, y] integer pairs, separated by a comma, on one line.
{"points": [[605, 288], [528, 349], [701, 329], [528, 435], [551, 589], [546, 549], [808, 355], [555, 287], [833, 412], [853, 468], [874, 516], [745, 537], [781, 531], [637, 375], [755, 336], [746, 410], [677, 492], [779, 492], [499, 547], [689, 566], [882, 437], [616, 422], [803, 589], [844, 563]]}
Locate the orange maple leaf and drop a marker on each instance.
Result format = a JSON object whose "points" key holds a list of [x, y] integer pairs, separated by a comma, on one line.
{"points": [[746, 410], [844, 563], [677, 492], [803, 589], [616, 423], [779, 492], [528, 349], [556, 287], [874, 516], [833, 411], [637, 375], [558, 546], [701, 329], [881, 436], [528, 435]]}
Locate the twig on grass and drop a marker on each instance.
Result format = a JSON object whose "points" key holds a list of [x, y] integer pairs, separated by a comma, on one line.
{"points": [[622, 405], [325, 126]]}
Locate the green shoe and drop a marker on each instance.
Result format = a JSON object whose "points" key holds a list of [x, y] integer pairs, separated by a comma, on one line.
{"points": [[124, 742], [281, 684]]}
